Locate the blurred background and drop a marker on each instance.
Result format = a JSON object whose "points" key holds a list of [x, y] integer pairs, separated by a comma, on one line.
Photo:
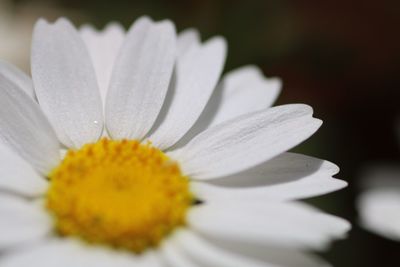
{"points": [[341, 57]]}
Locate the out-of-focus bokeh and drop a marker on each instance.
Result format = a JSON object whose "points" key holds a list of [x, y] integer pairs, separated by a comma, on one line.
{"points": [[341, 57]]}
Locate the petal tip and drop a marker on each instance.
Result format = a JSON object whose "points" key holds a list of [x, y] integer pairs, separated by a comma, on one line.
{"points": [[114, 25], [218, 42]]}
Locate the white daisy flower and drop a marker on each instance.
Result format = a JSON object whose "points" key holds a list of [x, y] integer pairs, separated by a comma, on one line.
{"points": [[187, 173], [379, 204]]}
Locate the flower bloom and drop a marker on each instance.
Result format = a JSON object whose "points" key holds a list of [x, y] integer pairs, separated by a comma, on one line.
{"points": [[126, 149]]}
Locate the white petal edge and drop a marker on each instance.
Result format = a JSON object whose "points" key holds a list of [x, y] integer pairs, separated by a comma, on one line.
{"points": [[245, 90], [65, 83], [173, 256], [288, 176], [186, 39], [140, 78], [282, 224], [17, 76], [206, 254], [176, 256], [277, 256], [379, 211], [241, 91], [70, 252], [103, 47], [246, 141], [197, 73], [24, 128], [17, 175], [21, 222]]}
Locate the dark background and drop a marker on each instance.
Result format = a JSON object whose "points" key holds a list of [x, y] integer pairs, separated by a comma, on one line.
{"points": [[341, 57]]}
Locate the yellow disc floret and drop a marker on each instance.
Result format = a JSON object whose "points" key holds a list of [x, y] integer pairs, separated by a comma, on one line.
{"points": [[121, 193]]}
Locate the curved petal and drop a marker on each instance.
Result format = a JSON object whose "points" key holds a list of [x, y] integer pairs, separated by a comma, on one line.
{"points": [[140, 78], [246, 141], [17, 76], [277, 256], [197, 73], [186, 39], [21, 222], [245, 90], [206, 254], [69, 252], [17, 175], [24, 127], [283, 224], [175, 257], [65, 83], [286, 177], [379, 211], [241, 91], [103, 47]]}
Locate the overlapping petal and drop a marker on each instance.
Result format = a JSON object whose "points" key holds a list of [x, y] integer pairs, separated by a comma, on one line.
{"points": [[213, 252], [205, 254], [140, 78], [18, 77], [65, 83], [22, 222], [273, 255], [24, 127], [285, 224], [243, 90], [67, 253], [18, 176], [288, 176], [246, 141], [186, 40], [197, 73], [103, 47]]}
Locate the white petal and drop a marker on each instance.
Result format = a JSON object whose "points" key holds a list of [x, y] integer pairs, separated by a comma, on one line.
{"points": [[284, 224], [140, 78], [24, 127], [206, 254], [274, 255], [21, 222], [103, 48], [65, 83], [175, 257], [245, 90], [16, 175], [288, 176], [69, 252], [186, 40], [17, 76], [197, 73], [241, 91], [246, 141], [379, 211]]}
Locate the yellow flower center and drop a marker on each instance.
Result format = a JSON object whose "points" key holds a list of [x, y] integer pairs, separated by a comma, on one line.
{"points": [[121, 193]]}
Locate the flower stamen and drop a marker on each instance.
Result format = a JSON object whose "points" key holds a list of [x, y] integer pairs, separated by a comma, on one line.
{"points": [[121, 193]]}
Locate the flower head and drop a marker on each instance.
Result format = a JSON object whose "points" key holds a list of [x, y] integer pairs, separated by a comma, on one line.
{"points": [[128, 149]]}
